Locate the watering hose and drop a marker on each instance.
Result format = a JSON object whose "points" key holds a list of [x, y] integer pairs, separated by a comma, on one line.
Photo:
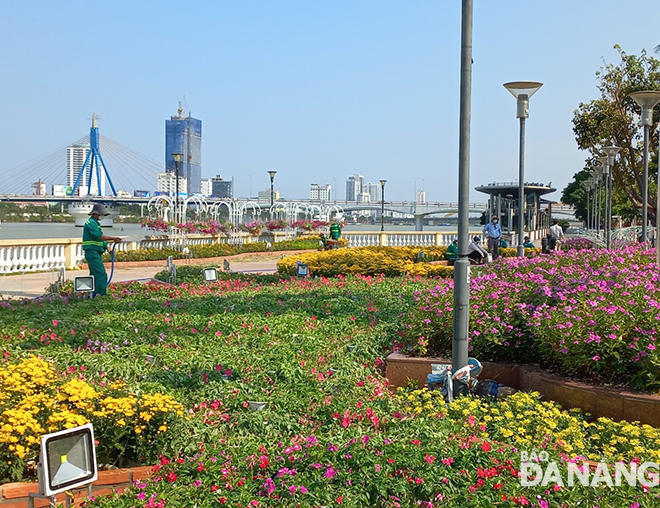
{"points": [[112, 263]]}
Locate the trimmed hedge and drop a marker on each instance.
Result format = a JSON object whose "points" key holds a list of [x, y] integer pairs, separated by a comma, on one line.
{"points": [[212, 250]]}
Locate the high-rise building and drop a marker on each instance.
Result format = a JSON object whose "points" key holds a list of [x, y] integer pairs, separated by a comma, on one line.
{"points": [[221, 188], [373, 189], [167, 184], [75, 158], [206, 187], [320, 192], [183, 134], [354, 187]]}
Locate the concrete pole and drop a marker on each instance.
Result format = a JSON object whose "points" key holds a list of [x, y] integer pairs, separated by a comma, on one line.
{"points": [[645, 184], [459, 354], [521, 190]]}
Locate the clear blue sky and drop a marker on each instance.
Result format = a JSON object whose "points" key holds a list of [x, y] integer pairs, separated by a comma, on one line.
{"points": [[316, 90]]}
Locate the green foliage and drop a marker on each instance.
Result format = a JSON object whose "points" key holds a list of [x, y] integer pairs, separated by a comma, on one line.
{"points": [[612, 119]]}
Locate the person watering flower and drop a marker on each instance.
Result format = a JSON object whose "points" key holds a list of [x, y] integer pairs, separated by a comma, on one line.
{"points": [[335, 230], [94, 244]]}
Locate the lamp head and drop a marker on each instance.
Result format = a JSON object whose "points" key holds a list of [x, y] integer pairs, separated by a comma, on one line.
{"points": [[272, 174], [647, 99], [611, 152], [382, 183], [522, 91], [177, 157]]}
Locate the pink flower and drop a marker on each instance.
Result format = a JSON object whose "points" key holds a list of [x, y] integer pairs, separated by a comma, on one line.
{"points": [[330, 472], [595, 358]]}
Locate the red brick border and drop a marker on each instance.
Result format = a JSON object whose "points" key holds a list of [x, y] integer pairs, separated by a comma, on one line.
{"points": [[593, 399], [15, 495]]}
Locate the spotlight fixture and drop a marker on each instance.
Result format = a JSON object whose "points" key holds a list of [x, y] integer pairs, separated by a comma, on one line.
{"points": [[84, 284]]}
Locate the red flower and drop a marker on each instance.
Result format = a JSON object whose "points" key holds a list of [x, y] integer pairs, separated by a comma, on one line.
{"points": [[171, 477], [485, 446], [429, 458]]}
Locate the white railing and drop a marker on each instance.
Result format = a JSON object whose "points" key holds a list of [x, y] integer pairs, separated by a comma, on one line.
{"points": [[20, 256], [398, 238]]}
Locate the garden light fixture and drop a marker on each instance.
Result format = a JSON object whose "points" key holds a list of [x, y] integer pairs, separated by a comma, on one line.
{"points": [[67, 460], [84, 284], [647, 100], [522, 91], [210, 275]]}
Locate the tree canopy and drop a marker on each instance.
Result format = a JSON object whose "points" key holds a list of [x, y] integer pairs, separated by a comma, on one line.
{"points": [[613, 119]]}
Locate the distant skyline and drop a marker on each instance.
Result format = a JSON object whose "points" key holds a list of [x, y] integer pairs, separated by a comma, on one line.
{"points": [[316, 91]]}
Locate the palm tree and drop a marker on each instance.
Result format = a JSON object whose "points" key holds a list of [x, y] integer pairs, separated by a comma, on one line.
{"points": [[657, 48]]}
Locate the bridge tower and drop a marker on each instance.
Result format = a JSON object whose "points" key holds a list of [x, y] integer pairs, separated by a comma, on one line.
{"points": [[93, 161]]}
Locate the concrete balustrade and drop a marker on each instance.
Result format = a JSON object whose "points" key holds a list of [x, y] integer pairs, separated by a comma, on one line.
{"points": [[22, 256]]}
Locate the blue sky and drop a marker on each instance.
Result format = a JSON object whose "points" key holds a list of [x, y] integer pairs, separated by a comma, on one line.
{"points": [[316, 90]]}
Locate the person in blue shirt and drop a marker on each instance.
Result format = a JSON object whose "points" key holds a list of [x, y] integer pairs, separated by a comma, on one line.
{"points": [[493, 232], [528, 244]]}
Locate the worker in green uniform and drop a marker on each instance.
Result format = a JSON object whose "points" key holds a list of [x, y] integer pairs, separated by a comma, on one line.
{"points": [[452, 252], [335, 230], [94, 245]]}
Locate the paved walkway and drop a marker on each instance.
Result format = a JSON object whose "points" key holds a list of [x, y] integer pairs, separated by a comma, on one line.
{"points": [[30, 285]]}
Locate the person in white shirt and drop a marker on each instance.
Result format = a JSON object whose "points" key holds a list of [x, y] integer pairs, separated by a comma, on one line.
{"points": [[476, 253], [556, 234]]}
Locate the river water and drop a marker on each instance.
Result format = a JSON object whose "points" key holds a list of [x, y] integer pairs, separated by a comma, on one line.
{"points": [[42, 230]]}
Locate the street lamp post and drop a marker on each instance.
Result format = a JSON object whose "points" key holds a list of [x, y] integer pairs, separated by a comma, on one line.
{"points": [[647, 99], [272, 179], [603, 171], [461, 323], [177, 160], [587, 187], [611, 152], [509, 209], [382, 205], [522, 91]]}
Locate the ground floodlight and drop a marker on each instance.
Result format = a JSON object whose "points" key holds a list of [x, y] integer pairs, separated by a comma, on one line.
{"points": [[84, 284], [67, 460], [302, 270], [210, 274]]}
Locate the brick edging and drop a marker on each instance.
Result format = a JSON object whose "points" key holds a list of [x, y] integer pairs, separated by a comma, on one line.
{"points": [[15, 495], [598, 401]]}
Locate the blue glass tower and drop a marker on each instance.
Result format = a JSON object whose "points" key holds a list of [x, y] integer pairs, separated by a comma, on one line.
{"points": [[183, 134]]}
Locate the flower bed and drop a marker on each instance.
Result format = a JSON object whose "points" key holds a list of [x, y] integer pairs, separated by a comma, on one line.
{"points": [[370, 261], [591, 314], [36, 399], [331, 432]]}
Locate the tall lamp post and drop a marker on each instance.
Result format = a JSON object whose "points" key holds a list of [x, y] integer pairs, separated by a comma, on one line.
{"points": [[272, 179], [603, 173], [382, 205], [177, 160], [522, 91], [647, 99], [611, 152], [461, 324]]}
